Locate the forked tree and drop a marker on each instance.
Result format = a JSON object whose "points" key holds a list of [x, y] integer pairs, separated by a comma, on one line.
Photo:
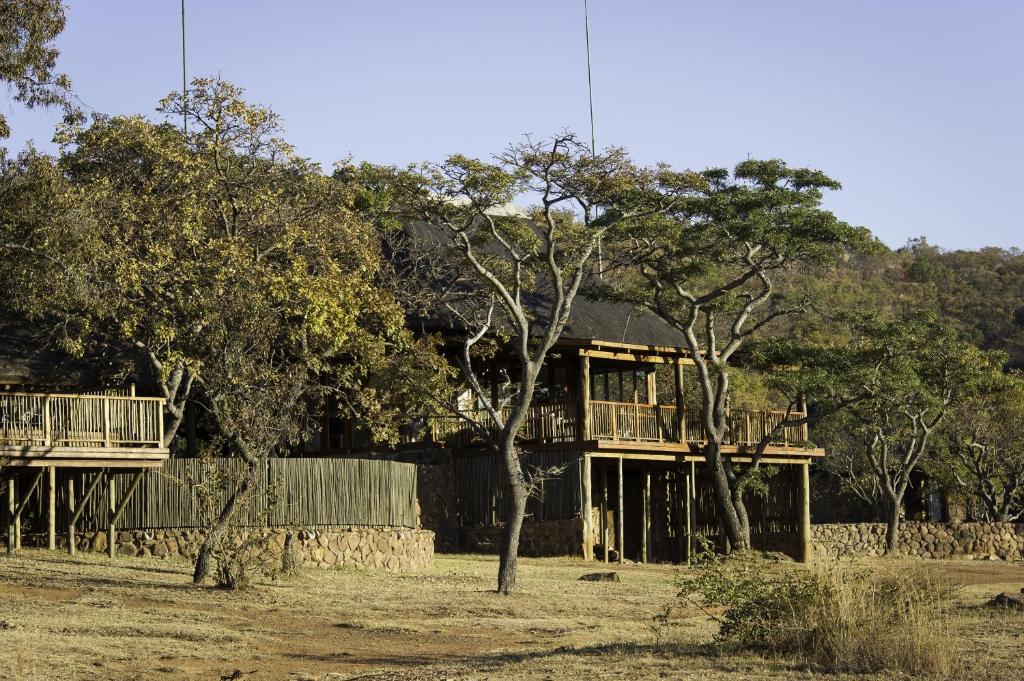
{"points": [[710, 268], [875, 447], [518, 274]]}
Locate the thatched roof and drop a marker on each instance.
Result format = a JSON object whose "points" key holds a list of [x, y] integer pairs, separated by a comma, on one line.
{"points": [[591, 319]]}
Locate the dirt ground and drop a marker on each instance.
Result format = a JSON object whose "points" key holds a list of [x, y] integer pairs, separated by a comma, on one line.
{"points": [[89, 617]]}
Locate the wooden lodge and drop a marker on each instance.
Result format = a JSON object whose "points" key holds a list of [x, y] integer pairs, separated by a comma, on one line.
{"points": [[613, 444]]}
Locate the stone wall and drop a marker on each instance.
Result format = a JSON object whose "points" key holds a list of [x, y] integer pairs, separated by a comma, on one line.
{"points": [[538, 538], [923, 539], [394, 550], [436, 503]]}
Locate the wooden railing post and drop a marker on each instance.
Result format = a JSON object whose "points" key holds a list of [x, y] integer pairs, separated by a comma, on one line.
{"points": [[106, 421], [47, 423], [804, 430]]}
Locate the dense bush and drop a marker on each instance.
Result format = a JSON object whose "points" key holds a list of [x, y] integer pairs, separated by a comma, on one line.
{"points": [[835, 617]]}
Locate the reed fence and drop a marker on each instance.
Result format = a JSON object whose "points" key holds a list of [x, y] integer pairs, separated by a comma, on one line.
{"points": [[307, 492]]}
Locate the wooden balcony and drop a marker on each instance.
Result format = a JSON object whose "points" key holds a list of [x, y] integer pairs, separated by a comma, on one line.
{"points": [[81, 430], [638, 426]]}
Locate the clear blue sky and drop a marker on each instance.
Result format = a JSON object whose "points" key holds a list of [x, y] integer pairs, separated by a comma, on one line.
{"points": [[916, 106]]}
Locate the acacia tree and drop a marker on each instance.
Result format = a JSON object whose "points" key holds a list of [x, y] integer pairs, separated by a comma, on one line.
{"points": [[878, 443], [709, 268], [518, 274], [984, 434]]}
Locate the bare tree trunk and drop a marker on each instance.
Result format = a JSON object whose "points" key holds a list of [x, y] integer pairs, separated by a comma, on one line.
{"points": [[509, 560], [733, 516], [892, 523], [202, 567]]}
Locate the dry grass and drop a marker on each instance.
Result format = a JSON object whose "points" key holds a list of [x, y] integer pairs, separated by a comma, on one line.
{"points": [[88, 617]]}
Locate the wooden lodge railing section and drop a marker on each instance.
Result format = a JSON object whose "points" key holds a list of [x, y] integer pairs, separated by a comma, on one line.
{"points": [[93, 421], [617, 422]]}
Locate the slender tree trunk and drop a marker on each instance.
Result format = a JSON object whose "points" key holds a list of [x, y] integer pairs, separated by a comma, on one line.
{"points": [[892, 523], [509, 559], [202, 567]]}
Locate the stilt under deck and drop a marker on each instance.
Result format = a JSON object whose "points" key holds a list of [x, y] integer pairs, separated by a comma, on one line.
{"points": [[44, 434], [647, 506]]}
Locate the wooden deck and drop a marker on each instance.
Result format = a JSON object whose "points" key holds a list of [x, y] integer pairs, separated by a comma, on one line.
{"points": [[92, 431], [39, 433], [628, 428]]}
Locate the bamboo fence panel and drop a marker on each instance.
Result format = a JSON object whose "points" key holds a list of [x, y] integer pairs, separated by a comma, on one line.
{"points": [[310, 492], [482, 498]]}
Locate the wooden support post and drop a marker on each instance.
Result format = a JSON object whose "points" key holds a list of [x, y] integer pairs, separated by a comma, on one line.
{"points": [[51, 509], [36, 482], [588, 511], [679, 513], [691, 512], [620, 534], [111, 510], [645, 521], [805, 513], [12, 503], [77, 512], [585, 430], [605, 544], [71, 514]]}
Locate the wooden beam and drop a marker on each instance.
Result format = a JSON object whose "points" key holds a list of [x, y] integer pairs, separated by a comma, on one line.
{"points": [[51, 510], [111, 509], [605, 544], [28, 497], [76, 510], [620, 534], [588, 512], [691, 511], [634, 357], [71, 513], [584, 391], [806, 552], [645, 521], [12, 501]]}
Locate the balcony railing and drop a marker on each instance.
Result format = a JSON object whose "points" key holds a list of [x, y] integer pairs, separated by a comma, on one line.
{"points": [[628, 422], [80, 421], [616, 422]]}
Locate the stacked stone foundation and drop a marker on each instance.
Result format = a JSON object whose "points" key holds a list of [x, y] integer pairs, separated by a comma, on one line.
{"points": [[389, 549], [966, 540], [538, 538]]}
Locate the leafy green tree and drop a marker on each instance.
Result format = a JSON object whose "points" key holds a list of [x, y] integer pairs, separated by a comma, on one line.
{"points": [[984, 433], [919, 369], [28, 57], [712, 266], [514, 276], [225, 264]]}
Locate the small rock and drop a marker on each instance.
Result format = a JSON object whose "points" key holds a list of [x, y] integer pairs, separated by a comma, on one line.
{"points": [[1008, 600], [600, 577]]}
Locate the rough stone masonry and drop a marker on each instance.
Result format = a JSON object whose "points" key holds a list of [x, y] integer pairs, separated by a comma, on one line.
{"points": [[976, 541], [394, 550]]}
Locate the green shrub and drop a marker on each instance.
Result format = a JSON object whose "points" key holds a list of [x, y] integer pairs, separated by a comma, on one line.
{"points": [[834, 617]]}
